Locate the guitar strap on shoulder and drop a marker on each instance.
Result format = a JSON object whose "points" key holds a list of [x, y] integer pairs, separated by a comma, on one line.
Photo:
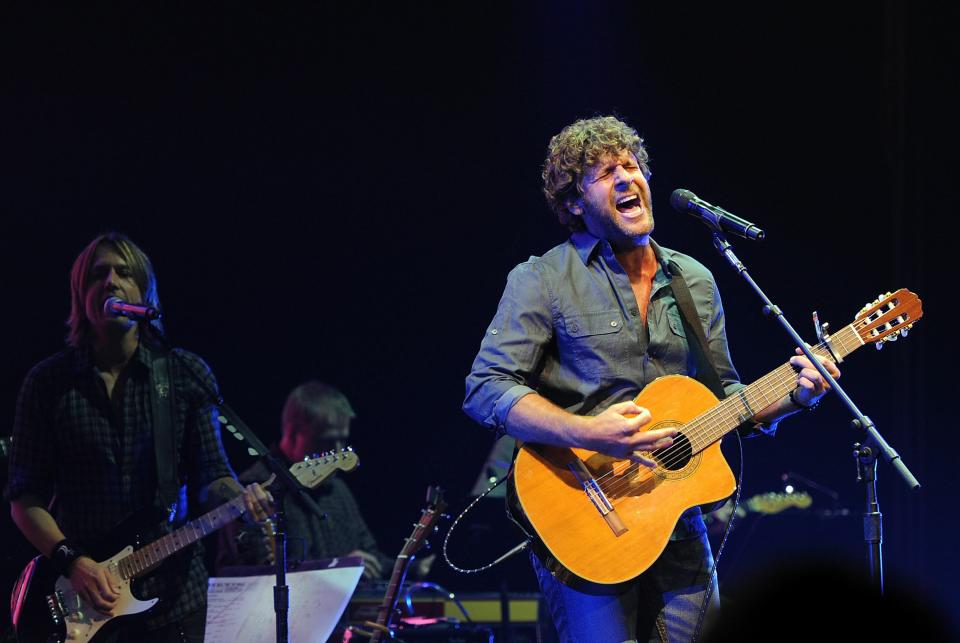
{"points": [[163, 406], [706, 371]]}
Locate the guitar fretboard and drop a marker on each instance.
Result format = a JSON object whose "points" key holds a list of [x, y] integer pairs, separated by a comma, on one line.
{"points": [[146, 558], [742, 405]]}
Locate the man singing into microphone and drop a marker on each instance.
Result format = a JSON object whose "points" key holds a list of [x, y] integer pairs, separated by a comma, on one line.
{"points": [[577, 334], [84, 459]]}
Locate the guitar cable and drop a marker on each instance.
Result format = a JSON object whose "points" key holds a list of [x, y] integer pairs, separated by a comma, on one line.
{"points": [[515, 550], [723, 542]]}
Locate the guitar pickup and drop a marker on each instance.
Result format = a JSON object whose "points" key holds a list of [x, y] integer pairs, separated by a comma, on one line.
{"points": [[55, 607], [597, 497]]}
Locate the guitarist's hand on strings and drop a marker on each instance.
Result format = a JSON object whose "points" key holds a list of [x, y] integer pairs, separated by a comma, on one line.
{"points": [[94, 584], [810, 384], [259, 503], [618, 432]]}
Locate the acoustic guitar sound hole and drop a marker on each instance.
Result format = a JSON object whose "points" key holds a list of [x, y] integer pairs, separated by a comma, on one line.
{"points": [[677, 455]]}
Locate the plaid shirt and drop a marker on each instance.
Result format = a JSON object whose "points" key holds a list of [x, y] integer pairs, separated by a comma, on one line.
{"points": [[95, 454]]}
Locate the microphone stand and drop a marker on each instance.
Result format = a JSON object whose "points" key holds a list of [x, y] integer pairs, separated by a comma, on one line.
{"points": [[232, 422], [865, 451]]}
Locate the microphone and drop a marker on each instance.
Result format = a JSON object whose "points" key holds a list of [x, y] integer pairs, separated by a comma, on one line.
{"points": [[715, 217], [116, 307]]}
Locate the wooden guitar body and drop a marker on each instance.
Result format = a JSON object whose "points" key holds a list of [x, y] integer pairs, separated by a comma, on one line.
{"points": [[648, 502], [606, 520]]}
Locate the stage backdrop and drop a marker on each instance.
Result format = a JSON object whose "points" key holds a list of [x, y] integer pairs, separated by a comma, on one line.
{"points": [[339, 194]]}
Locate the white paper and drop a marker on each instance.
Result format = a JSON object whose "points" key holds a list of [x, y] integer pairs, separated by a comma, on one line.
{"points": [[240, 608]]}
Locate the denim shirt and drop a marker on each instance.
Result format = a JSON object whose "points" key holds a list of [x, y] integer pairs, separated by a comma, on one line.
{"points": [[568, 328]]}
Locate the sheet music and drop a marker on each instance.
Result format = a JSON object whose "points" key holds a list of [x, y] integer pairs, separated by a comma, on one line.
{"points": [[240, 608]]}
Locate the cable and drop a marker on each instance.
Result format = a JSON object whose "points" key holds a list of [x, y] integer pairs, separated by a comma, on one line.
{"points": [[515, 550]]}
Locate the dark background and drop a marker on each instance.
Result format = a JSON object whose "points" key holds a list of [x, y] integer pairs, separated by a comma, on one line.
{"points": [[339, 194]]}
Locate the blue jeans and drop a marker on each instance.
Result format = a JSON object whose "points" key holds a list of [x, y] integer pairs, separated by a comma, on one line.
{"points": [[660, 605]]}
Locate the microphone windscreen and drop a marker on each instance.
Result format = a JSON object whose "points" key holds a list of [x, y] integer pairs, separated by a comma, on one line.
{"points": [[109, 304], [680, 199]]}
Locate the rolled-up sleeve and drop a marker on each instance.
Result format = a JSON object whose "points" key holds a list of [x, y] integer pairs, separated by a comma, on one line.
{"points": [[508, 364]]}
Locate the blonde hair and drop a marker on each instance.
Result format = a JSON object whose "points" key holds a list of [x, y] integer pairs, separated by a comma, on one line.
{"points": [[140, 266]]}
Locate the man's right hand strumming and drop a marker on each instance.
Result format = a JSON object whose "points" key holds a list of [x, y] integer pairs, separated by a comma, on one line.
{"points": [[618, 432], [94, 584]]}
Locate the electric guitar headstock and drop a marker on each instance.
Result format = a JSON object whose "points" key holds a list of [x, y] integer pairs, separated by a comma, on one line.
{"points": [[888, 317], [311, 471]]}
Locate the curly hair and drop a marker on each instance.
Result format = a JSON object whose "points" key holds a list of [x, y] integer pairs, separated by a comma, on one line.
{"points": [[80, 332], [579, 146]]}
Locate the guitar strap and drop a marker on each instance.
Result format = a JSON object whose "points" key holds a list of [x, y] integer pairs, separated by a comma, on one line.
{"points": [[706, 371], [163, 405]]}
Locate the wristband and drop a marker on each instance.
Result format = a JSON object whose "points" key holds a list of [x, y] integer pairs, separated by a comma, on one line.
{"points": [[63, 555], [802, 406]]}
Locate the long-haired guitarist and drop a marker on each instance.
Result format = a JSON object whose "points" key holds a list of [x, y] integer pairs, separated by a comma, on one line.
{"points": [[578, 332], [83, 458]]}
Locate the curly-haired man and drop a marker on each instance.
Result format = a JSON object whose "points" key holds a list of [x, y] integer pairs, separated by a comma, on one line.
{"points": [[578, 332]]}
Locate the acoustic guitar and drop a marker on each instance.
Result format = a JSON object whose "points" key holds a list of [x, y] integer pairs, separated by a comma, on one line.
{"points": [[607, 520]]}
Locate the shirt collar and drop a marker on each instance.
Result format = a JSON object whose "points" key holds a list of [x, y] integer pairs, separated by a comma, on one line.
{"points": [[142, 358], [586, 244]]}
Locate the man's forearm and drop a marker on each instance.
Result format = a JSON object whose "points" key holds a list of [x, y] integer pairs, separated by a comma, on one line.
{"points": [[536, 419], [35, 522]]}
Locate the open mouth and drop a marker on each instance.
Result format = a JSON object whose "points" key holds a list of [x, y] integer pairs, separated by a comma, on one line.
{"points": [[628, 203]]}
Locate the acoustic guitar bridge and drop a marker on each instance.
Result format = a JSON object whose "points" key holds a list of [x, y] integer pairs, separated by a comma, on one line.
{"points": [[597, 497]]}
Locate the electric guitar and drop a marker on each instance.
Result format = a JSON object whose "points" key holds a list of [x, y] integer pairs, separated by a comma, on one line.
{"points": [[766, 504], [607, 520], [44, 606]]}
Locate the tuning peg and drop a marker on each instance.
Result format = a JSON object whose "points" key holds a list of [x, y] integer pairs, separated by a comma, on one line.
{"points": [[904, 331], [879, 345]]}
